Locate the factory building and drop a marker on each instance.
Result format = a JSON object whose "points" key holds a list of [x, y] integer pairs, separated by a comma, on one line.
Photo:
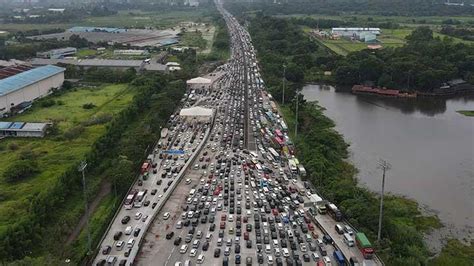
{"points": [[354, 32], [57, 53], [22, 129], [28, 86]]}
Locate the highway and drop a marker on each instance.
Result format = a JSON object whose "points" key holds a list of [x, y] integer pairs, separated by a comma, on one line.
{"points": [[231, 197]]}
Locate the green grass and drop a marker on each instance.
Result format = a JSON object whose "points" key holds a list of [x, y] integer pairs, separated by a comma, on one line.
{"points": [[54, 155], [466, 112], [455, 254], [82, 53]]}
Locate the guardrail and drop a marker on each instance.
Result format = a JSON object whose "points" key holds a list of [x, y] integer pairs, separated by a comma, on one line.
{"points": [[172, 188]]}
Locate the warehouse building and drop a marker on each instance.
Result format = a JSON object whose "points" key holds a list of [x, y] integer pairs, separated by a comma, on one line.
{"points": [[354, 32], [138, 65], [130, 52], [22, 129], [28, 86], [57, 53]]}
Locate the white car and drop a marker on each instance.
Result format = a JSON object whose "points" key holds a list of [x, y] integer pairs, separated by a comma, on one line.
{"points": [[200, 259], [138, 215], [327, 260], [193, 252], [183, 249], [119, 245], [128, 230], [166, 216], [286, 253]]}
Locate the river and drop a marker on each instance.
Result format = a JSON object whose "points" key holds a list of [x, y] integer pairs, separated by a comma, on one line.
{"points": [[429, 145]]}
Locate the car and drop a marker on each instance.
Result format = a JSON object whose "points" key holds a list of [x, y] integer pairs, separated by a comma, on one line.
{"points": [[119, 245], [306, 258], [237, 259], [327, 260], [106, 250], [217, 252], [166, 216], [153, 191], [117, 235], [193, 252], [200, 259], [125, 219], [249, 243], [183, 249], [127, 253], [144, 218], [260, 258], [136, 232], [154, 205], [205, 246], [170, 235], [177, 241]]}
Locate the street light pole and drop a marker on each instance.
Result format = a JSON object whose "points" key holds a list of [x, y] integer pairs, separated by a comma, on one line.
{"points": [[284, 84], [82, 168], [296, 120], [385, 166]]}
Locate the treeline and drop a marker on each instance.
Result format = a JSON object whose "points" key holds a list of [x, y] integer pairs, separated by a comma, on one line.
{"points": [[463, 33], [282, 43], [332, 23], [338, 7], [28, 48], [423, 64], [323, 151], [118, 152], [95, 74]]}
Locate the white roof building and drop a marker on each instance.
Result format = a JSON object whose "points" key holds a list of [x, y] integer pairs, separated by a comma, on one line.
{"points": [[199, 81], [197, 112]]}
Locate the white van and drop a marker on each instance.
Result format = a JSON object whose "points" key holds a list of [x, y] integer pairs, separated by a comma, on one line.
{"points": [[268, 249], [348, 240], [183, 249], [179, 225], [130, 243]]}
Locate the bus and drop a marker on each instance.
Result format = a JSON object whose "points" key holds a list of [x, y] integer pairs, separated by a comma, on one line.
{"points": [[140, 195], [130, 198], [279, 141], [278, 133], [274, 153]]}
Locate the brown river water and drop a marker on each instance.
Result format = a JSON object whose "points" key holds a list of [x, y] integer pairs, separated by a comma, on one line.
{"points": [[429, 145]]}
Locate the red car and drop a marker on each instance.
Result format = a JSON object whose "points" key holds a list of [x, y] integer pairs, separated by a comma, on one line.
{"points": [[246, 236], [245, 219], [223, 217], [310, 227], [222, 225], [275, 212]]}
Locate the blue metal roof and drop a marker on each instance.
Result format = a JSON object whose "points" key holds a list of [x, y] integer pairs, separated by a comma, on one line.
{"points": [[17, 125], [26, 78], [5, 125]]}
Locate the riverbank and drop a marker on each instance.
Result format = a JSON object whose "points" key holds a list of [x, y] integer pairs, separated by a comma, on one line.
{"points": [[324, 153]]}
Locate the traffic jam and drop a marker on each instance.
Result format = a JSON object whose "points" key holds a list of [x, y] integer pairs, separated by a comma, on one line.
{"points": [[249, 205], [228, 190]]}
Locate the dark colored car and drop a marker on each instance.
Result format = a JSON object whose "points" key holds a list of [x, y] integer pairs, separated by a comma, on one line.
{"points": [[170, 235], [217, 253], [117, 235], [106, 250], [177, 241], [136, 232], [237, 259], [125, 219]]}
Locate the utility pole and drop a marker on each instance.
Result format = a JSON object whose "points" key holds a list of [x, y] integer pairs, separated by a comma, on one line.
{"points": [[385, 166], [82, 168], [284, 84], [296, 120]]}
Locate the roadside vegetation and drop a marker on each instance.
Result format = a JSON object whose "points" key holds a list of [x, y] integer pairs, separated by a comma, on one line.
{"points": [[324, 152], [466, 112]]}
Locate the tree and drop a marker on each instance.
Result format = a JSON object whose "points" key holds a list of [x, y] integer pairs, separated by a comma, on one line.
{"points": [[20, 169], [420, 34]]}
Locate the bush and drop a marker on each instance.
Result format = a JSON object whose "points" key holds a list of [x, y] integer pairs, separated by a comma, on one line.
{"points": [[88, 106], [47, 103], [20, 170], [13, 146], [73, 132]]}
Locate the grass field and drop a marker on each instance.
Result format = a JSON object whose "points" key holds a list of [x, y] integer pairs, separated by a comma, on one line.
{"points": [[466, 112], [55, 154], [203, 39]]}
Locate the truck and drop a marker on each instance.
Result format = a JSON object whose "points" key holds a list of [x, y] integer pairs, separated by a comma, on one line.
{"points": [[145, 167], [301, 170], [334, 211], [339, 258], [292, 165], [364, 245]]}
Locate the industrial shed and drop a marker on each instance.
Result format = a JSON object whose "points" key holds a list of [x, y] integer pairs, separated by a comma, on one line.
{"points": [[29, 85], [22, 129]]}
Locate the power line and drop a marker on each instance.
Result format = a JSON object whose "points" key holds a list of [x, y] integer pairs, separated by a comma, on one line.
{"points": [[82, 168]]}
